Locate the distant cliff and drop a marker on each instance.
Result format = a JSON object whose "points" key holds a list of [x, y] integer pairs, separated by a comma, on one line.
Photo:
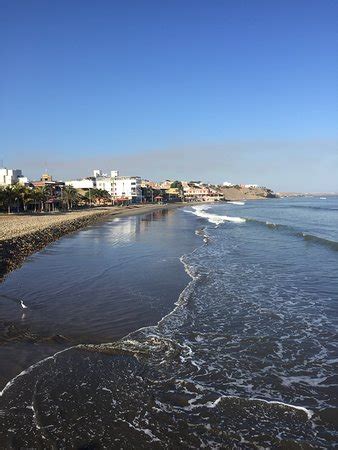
{"points": [[242, 193]]}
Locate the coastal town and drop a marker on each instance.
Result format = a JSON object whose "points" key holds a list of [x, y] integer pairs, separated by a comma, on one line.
{"points": [[20, 194]]}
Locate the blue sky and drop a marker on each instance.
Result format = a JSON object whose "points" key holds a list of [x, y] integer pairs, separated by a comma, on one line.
{"points": [[239, 90]]}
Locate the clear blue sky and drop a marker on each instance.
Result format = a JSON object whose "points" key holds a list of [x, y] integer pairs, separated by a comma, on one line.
{"points": [[242, 90]]}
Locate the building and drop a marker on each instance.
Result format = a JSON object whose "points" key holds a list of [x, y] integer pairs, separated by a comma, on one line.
{"points": [[121, 188], [227, 184], [105, 183], [9, 176], [166, 184], [248, 186], [84, 183], [23, 181], [199, 192], [46, 177], [97, 173], [127, 188]]}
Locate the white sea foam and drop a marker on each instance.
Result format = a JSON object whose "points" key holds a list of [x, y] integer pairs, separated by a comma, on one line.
{"points": [[308, 412], [30, 369], [23, 305], [201, 211], [237, 203]]}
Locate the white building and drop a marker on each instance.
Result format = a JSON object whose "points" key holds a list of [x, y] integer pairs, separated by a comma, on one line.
{"points": [[23, 180], [227, 184], [85, 183], [251, 185], [105, 183], [97, 173], [120, 187], [127, 188], [9, 176]]}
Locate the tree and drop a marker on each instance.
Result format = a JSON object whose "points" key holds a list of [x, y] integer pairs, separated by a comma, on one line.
{"points": [[176, 185], [97, 195], [9, 196], [70, 196], [24, 195], [36, 197]]}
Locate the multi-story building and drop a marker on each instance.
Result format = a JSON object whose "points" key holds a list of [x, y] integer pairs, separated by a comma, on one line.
{"points": [[127, 188], [105, 183], [9, 176], [121, 188]]}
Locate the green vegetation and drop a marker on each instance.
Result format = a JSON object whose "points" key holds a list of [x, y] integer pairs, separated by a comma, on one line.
{"points": [[19, 198], [176, 185], [97, 196]]}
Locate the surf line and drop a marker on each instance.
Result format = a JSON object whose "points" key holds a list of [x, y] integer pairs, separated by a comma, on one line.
{"points": [[308, 412], [32, 367]]}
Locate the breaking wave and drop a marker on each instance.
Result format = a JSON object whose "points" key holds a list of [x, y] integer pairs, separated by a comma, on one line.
{"points": [[333, 245], [201, 211]]}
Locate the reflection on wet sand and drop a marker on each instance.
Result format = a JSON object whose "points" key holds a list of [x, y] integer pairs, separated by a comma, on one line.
{"points": [[95, 285]]}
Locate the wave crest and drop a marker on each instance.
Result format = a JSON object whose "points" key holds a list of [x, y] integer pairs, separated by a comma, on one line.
{"points": [[201, 211]]}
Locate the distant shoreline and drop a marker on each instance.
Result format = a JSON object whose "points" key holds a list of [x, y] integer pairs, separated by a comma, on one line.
{"points": [[21, 235]]}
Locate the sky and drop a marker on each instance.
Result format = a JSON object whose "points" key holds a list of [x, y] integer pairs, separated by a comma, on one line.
{"points": [[244, 91]]}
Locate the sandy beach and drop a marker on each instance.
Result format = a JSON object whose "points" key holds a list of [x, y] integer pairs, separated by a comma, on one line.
{"points": [[23, 234]]}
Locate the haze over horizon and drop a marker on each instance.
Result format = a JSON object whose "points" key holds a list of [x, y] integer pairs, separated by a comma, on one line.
{"points": [[231, 90]]}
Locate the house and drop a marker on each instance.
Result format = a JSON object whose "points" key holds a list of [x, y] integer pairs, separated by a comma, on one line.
{"points": [[199, 192]]}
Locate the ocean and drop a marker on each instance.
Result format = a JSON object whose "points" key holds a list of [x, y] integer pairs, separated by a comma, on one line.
{"points": [[211, 326]]}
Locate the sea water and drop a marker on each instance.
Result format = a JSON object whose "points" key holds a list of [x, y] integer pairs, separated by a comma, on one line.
{"points": [[246, 358]]}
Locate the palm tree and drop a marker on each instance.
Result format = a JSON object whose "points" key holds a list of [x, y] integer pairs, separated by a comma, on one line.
{"points": [[97, 196], [24, 195], [102, 195], [9, 196], [2, 196], [36, 197], [70, 195], [47, 194]]}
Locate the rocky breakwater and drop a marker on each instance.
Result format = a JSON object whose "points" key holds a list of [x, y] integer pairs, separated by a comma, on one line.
{"points": [[22, 235]]}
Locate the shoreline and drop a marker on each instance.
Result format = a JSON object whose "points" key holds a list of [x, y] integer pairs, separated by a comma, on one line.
{"points": [[41, 230]]}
